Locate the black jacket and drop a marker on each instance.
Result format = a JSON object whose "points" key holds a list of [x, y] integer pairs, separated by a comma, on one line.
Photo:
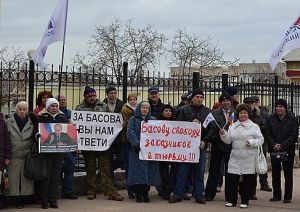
{"points": [[190, 112], [213, 135], [282, 131]]}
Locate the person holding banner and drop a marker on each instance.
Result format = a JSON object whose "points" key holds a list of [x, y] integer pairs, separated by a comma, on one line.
{"points": [[114, 105], [245, 136], [141, 173], [49, 188], [91, 103], [194, 112], [219, 150], [168, 170]]}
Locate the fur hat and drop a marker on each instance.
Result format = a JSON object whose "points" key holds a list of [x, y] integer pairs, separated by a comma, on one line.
{"points": [[110, 88], [167, 106], [51, 101], [281, 102], [195, 92], [88, 90]]}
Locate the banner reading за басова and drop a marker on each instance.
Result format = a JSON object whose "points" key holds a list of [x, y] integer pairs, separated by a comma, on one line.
{"points": [[96, 130]]}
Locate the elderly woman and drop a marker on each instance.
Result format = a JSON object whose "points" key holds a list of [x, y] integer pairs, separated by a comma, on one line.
{"points": [[21, 136], [49, 188], [5, 153], [245, 136], [141, 173]]}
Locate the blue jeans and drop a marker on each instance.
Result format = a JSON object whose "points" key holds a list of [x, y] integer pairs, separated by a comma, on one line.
{"points": [[198, 177], [68, 172]]}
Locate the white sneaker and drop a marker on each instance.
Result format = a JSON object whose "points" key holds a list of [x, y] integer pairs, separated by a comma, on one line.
{"points": [[229, 204], [243, 206]]}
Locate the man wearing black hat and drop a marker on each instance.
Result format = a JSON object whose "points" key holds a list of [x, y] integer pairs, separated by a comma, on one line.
{"points": [[114, 105], [219, 150], [259, 117], [194, 112], [281, 135], [91, 103], [155, 101]]}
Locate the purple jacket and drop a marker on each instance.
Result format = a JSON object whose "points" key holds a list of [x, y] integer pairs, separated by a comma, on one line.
{"points": [[5, 147]]}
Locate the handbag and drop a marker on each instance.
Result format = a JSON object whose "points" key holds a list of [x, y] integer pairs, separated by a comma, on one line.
{"points": [[4, 187], [261, 166], [279, 156], [35, 167]]}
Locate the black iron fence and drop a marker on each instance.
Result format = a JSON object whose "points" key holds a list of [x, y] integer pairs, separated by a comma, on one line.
{"points": [[25, 83]]}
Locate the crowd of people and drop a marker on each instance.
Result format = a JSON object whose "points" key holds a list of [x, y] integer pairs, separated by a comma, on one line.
{"points": [[232, 138]]}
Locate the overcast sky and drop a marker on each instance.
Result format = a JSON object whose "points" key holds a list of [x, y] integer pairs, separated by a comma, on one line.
{"points": [[244, 29]]}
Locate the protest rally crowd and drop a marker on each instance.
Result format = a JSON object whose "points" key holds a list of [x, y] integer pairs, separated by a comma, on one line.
{"points": [[233, 132]]}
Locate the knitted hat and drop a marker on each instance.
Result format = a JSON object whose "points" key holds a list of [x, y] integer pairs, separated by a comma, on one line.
{"points": [[195, 92], [88, 90], [256, 98], [224, 96], [281, 102], [232, 90], [110, 88], [51, 101]]}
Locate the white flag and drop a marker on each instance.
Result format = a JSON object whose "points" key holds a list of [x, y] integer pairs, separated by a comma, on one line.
{"points": [[289, 41], [55, 31], [209, 118]]}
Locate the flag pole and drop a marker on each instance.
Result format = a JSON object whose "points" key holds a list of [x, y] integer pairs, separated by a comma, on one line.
{"points": [[62, 53]]}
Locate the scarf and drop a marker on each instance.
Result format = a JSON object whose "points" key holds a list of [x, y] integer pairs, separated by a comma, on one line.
{"points": [[21, 122]]}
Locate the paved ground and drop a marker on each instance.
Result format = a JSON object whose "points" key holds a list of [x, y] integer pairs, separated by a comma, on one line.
{"points": [[157, 204]]}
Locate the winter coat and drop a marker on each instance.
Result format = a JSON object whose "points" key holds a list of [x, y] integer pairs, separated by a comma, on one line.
{"points": [[127, 112], [21, 143], [282, 131], [140, 171], [213, 130], [242, 158], [98, 107], [156, 109], [5, 146], [191, 112]]}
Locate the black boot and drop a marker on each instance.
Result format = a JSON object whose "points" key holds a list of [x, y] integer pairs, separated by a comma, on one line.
{"points": [[145, 193], [2, 206], [138, 193]]}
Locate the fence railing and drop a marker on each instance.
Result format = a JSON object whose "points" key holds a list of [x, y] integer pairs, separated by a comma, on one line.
{"points": [[15, 86]]}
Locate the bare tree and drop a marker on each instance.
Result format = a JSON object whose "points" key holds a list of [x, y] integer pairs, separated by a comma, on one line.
{"points": [[13, 58], [113, 44], [187, 49]]}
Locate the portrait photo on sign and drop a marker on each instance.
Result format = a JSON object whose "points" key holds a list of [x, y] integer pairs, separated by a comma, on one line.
{"points": [[57, 137]]}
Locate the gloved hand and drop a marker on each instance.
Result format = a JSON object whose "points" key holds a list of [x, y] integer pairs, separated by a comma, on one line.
{"points": [[137, 148]]}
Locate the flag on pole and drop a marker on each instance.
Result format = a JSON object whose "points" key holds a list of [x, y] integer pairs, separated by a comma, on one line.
{"points": [[230, 118], [55, 31], [209, 118], [289, 41]]}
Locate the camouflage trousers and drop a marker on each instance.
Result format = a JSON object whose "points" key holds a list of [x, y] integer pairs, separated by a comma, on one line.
{"points": [[98, 160]]}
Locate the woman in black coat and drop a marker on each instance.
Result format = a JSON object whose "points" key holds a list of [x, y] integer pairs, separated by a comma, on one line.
{"points": [[49, 188]]}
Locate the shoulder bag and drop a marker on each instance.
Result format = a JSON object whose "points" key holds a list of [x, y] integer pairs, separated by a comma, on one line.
{"points": [[261, 166], [35, 165]]}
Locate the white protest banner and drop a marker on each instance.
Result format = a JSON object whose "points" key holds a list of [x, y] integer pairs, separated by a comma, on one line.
{"points": [[175, 141], [96, 130]]}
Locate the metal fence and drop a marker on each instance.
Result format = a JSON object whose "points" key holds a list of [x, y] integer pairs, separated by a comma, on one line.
{"points": [[15, 86]]}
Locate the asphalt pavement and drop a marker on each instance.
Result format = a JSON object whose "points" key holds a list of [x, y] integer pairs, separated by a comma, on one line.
{"points": [[157, 204]]}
